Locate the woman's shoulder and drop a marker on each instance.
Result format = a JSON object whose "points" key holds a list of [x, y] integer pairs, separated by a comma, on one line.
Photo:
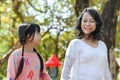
{"points": [[75, 42], [102, 43]]}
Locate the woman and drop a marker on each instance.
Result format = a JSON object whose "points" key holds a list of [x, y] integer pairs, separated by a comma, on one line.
{"points": [[86, 56]]}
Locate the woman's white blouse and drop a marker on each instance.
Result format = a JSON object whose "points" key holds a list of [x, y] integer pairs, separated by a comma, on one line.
{"points": [[83, 62]]}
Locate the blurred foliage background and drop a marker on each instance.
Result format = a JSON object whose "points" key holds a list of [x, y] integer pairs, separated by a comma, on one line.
{"points": [[56, 18]]}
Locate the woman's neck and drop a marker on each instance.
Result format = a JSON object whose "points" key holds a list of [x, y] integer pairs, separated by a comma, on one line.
{"points": [[91, 42], [88, 38]]}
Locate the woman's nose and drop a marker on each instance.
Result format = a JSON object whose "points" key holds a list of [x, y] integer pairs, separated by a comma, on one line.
{"points": [[88, 23]]}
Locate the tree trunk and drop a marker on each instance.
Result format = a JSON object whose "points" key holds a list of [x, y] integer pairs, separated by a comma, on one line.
{"points": [[80, 5], [109, 31]]}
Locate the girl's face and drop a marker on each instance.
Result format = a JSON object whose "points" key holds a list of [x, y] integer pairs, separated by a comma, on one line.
{"points": [[88, 24]]}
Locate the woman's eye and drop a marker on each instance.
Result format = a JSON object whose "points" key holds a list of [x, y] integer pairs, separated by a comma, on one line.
{"points": [[84, 21], [92, 21]]}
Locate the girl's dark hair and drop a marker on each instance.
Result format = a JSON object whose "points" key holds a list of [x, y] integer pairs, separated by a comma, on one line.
{"points": [[24, 30], [99, 22]]}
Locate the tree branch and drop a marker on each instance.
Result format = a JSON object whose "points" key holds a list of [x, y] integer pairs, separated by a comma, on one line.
{"points": [[16, 5], [5, 57], [34, 6]]}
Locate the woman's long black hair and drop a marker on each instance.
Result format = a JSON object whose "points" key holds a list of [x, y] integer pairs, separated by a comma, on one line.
{"points": [[24, 30], [99, 23]]}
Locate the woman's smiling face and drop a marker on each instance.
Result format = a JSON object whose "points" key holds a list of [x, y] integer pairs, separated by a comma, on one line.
{"points": [[88, 24]]}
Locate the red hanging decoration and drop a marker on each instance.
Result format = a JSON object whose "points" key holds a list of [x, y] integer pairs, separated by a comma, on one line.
{"points": [[53, 61]]}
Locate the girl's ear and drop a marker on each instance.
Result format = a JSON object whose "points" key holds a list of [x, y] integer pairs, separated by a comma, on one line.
{"points": [[29, 38]]}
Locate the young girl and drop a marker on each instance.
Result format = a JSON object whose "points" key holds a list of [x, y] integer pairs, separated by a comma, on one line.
{"points": [[86, 56], [25, 63]]}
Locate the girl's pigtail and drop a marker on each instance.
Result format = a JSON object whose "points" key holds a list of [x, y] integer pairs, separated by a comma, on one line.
{"points": [[20, 65], [41, 61]]}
